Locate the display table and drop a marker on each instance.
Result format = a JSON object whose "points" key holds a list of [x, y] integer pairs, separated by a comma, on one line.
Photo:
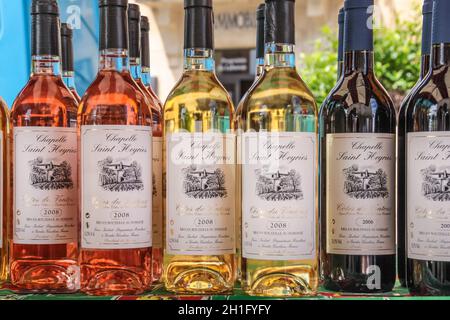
{"points": [[159, 294]]}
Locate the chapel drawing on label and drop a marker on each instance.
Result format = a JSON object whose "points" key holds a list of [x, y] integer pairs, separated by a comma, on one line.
{"points": [[202, 183], [279, 185], [50, 175], [365, 183], [436, 183], [118, 176]]}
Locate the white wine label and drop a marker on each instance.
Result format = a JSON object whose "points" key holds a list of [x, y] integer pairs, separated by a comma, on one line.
{"points": [[116, 187], [428, 196], [2, 191], [157, 192], [279, 194], [200, 202], [45, 185], [360, 193]]}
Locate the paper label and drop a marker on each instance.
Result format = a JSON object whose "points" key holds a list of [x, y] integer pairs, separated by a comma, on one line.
{"points": [[279, 181], [201, 194], [116, 187], [360, 190], [45, 185]]}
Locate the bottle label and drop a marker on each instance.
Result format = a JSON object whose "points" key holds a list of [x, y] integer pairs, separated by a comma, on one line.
{"points": [[45, 185], [116, 187], [279, 194], [428, 196], [360, 191], [201, 199], [157, 193]]}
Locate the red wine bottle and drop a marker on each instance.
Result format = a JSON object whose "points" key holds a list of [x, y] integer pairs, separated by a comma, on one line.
{"points": [[357, 149], [428, 169], [401, 146]]}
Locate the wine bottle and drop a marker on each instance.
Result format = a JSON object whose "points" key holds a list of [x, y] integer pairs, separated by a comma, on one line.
{"points": [[199, 168], [427, 11], [44, 212], [4, 193], [278, 124], [137, 52], [427, 168], [115, 141], [341, 20], [357, 148], [68, 72], [260, 44]]}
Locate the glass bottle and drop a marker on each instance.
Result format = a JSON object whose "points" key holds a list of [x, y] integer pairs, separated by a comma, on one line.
{"points": [[199, 156], [260, 46], [357, 172], [401, 144], [427, 165], [68, 72], [157, 108], [44, 211], [115, 139], [279, 170], [5, 193]]}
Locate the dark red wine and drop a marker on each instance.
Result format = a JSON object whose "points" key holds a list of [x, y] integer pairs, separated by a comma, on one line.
{"points": [[401, 145], [357, 152], [428, 169]]}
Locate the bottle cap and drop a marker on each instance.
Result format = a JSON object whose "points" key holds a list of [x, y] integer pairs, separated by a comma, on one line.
{"points": [[260, 17], [358, 29], [427, 12], [113, 24], [145, 42], [199, 20], [67, 47], [134, 30], [280, 21], [441, 22], [341, 20], [45, 28]]}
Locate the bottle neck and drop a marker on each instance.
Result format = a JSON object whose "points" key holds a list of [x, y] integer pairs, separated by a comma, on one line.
{"points": [[135, 68], [280, 55], [199, 60], [146, 76], [114, 60], [46, 65], [69, 79], [440, 55], [259, 66], [358, 61], [340, 69]]}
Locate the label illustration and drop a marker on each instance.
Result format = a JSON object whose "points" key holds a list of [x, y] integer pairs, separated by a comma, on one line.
{"points": [[157, 193], [45, 188], [360, 188], [428, 195], [201, 202], [279, 196], [116, 187]]}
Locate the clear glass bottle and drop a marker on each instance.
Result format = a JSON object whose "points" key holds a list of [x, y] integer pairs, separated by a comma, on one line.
{"points": [[68, 70], [199, 169], [145, 82], [279, 170], [428, 170], [357, 171], [44, 211], [401, 143], [5, 194], [115, 138]]}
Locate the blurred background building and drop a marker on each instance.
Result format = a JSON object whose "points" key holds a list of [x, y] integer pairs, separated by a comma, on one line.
{"points": [[235, 33]]}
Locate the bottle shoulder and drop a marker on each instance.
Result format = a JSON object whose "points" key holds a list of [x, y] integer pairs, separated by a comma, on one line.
{"points": [[278, 88], [357, 90], [44, 94]]}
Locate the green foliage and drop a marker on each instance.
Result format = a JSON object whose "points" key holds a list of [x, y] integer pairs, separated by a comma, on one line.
{"points": [[397, 59]]}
